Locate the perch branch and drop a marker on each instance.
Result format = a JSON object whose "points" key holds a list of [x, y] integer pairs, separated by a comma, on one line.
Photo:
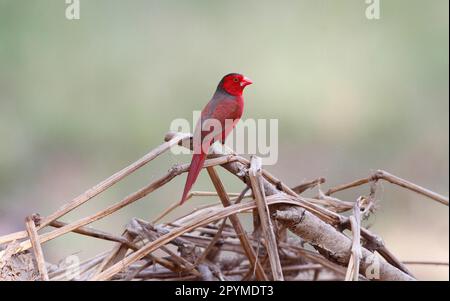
{"points": [[272, 185], [100, 187], [125, 202]]}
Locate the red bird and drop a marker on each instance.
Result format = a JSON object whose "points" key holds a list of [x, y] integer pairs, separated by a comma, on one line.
{"points": [[217, 120]]}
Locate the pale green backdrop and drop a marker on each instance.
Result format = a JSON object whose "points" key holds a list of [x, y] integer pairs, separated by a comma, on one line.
{"points": [[81, 99]]}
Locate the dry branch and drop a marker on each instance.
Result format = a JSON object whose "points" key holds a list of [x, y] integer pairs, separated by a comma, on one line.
{"points": [[334, 244], [202, 236], [237, 225], [238, 168], [264, 218], [100, 187], [37, 249], [25, 245], [384, 175], [355, 258]]}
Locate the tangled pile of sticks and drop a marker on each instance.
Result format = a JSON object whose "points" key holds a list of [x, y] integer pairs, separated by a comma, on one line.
{"points": [[293, 237]]}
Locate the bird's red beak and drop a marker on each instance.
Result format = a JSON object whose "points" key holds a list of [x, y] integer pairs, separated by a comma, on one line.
{"points": [[246, 81]]}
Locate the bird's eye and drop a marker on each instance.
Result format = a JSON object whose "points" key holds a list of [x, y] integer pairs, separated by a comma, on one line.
{"points": [[236, 79]]}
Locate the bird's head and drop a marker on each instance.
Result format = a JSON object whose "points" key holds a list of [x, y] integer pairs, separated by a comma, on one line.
{"points": [[234, 83]]}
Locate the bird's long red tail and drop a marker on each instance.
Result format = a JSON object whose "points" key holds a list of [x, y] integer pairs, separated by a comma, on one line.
{"points": [[194, 170]]}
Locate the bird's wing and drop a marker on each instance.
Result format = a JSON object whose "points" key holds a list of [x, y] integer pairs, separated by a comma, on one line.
{"points": [[220, 121], [219, 117]]}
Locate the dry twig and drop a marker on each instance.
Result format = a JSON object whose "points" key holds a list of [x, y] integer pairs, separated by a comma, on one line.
{"points": [[316, 221], [37, 249], [264, 218]]}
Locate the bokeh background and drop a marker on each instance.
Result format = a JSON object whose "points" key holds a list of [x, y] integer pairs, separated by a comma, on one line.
{"points": [[81, 99]]}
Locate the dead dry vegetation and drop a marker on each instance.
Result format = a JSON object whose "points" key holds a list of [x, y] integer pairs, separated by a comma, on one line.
{"points": [[293, 237]]}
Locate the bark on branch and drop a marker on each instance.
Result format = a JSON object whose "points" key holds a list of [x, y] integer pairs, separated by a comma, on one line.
{"points": [[310, 227]]}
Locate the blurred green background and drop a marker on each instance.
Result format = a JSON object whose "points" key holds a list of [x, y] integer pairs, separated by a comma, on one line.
{"points": [[81, 99]]}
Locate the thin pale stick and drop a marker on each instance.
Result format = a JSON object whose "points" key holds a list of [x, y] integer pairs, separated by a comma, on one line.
{"points": [[356, 254], [308, 185], [177, 259], [438, 263], [237, 224], [91, 232], [207, 216], [100, 187], [348, 185], [122, 240], [190, 195], [255, 176], [212, 243], [125, 202], [411, 186], [166, 212], [329, 216], [384, 175], [219, 232], [37, 248]]}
